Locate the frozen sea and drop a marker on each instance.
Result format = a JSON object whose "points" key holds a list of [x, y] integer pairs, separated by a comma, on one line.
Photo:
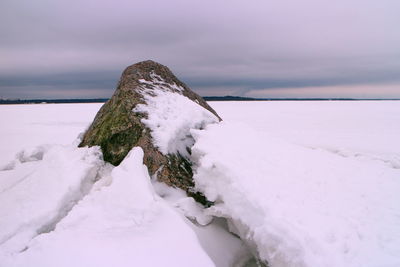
{"points": [[367, 126], [303, 183]]}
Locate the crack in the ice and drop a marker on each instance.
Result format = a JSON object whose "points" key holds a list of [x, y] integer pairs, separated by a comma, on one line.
{"points": [[69, 202], [86, 185], [16, 183], [391, 163]]}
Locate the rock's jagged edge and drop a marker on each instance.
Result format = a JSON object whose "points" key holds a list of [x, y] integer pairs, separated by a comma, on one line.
{"points": [[117, 128]]}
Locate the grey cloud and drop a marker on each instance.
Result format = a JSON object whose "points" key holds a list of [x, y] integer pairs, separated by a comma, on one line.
{"points": [[209, 44]]}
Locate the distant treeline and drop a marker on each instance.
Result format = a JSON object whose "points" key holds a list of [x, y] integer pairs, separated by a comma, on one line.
{"points": [[52, 101], [239, 98], [207, 98]]}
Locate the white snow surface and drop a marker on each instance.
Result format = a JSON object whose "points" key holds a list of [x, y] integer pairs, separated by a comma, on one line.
{"points": [[124, 223], [28, 126], [362, 129], [304, 183], [302, 204], [39, 188], [62, 206], [171, 116], [221, 246]]}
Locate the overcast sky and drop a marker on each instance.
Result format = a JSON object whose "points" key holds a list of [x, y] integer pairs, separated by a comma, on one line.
{"points": [[282, 48]]}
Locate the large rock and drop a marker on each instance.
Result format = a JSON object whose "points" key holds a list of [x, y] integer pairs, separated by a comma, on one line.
{"points": [[152, 109]]}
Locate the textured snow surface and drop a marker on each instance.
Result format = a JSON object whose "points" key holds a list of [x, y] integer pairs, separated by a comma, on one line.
{"points": [[171, 115], [39, 188], [225, 249], [304, 183], [303, 205], [124, 223], [51, 209]]}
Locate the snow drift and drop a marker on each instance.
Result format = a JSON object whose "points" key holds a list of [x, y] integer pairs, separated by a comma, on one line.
{"points": [[39, 188], [298, 206], [121, 222]]}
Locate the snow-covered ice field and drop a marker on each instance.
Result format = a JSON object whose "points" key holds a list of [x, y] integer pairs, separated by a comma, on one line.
{"points": [[309, 183], [303, 183]]}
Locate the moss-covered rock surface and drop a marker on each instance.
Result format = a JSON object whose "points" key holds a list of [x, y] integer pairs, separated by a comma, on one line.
{"points": [[117, 128]]}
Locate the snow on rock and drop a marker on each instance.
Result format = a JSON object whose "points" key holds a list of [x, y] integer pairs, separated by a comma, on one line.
{"points": [[298, 206], [39, 188], [160, 83], [171, 116], [123, 224], [149, 95]]}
